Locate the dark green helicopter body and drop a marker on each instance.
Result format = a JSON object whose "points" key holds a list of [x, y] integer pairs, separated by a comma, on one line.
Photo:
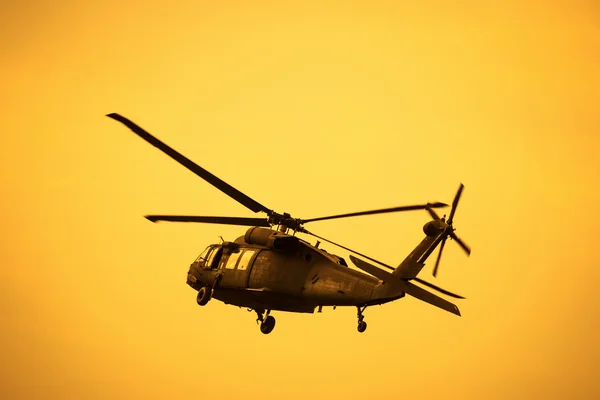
{"points": [[296, 277], [269, 269]]}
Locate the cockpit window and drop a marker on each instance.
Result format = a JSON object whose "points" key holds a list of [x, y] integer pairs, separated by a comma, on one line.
{"points": [[202, 256], [212, 255]]}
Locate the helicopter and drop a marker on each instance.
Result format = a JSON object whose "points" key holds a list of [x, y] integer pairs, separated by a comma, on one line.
{"points": [[269, 268]]}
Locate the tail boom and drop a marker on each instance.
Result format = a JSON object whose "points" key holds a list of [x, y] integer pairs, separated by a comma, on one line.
{"points": [[397, 285]]}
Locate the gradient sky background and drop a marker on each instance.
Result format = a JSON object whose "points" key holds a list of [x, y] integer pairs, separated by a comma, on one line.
{"points": [[311, 109]]}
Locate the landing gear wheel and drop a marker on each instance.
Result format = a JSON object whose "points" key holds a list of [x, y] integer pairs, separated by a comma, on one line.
{"points": [[204, 295], [267, 325], [362, 326]]}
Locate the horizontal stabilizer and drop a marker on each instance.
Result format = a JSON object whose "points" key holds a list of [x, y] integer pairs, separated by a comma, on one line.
{"points": [[405, 286], [430, 298]]}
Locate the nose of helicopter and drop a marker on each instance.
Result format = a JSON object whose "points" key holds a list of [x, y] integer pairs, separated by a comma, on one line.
{"points": [[193, 275]]}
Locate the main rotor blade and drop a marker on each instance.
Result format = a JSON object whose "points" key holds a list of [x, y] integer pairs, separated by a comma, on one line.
{"points": [[462, 244], [350, 250], [210, 220], [380, 211], [455, 203], [437, 262], [192, 166], [439, 289]]}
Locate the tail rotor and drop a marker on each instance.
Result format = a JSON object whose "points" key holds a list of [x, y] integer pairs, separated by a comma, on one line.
{"points": [[449, 231]]}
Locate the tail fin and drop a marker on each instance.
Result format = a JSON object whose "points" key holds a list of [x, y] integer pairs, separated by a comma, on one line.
{"points": [[414, 263], [400, 285], [437, 231]]}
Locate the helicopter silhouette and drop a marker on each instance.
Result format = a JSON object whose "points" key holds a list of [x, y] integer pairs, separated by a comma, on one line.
{"points": [[270, 269]]}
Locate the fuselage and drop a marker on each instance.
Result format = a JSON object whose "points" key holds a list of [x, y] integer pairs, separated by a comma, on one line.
{"points": [[298, 279]]}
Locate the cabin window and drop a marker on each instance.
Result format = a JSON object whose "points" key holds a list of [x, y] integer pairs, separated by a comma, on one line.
{"points": [[233, 257], [245, 259]]}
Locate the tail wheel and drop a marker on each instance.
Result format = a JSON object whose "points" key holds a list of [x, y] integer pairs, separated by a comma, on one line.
{"points": [[204, 295], [267, 325], [362, 326]]}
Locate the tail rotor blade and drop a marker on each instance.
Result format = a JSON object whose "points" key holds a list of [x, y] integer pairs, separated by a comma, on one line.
{"points": [[462, 244], [449, 230], [455, 203], [437, 262]]}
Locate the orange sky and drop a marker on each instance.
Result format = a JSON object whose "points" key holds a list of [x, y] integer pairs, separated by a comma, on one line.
{"points": [[313, 110]]}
